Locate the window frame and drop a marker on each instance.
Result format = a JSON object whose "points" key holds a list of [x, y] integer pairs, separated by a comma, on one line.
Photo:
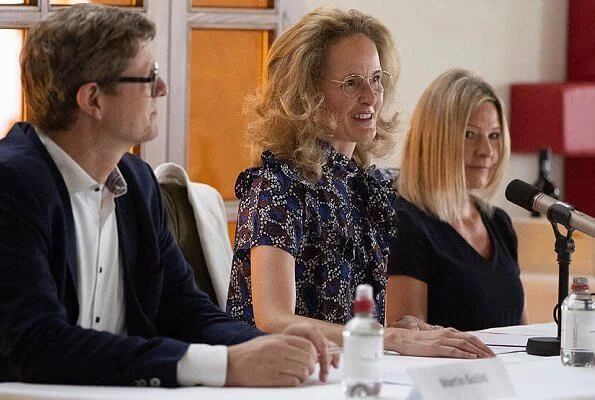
{"points": [[275, 19], [171, 51], [170, 48]]}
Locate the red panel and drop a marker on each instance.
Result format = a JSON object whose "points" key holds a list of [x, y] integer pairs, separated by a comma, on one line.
{"points": [[579, 119], [580, 183], [581, 40], [558, 115]]}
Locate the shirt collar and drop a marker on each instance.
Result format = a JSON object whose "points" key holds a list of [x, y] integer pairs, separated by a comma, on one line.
{"points": [[75, 177], [116, 183], [337, 159]]}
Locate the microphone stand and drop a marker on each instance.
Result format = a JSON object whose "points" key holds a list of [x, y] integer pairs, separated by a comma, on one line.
{"points": [[557, 214]]}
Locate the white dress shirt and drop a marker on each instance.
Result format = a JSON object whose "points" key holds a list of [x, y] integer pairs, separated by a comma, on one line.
{"points": [[100, 272]]}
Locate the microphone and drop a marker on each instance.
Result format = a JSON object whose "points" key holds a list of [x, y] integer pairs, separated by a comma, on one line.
{"points": [[532, 198]]}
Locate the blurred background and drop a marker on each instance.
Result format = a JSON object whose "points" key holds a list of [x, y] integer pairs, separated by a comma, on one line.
{"points": [[538, 54]]}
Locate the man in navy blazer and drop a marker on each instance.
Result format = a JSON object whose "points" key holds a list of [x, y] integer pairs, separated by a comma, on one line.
{"points": [[93, 288]]}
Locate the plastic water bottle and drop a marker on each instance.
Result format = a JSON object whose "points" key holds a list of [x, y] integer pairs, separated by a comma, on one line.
{"points": [[578, 326], [363, 348]]}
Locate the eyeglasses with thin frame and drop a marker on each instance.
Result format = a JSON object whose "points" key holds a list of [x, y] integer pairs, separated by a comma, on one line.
{"points": [[352, 84], [153, 78]]}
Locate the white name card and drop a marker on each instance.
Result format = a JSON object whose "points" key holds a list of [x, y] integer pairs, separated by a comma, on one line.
{"points": [[471, 379]]}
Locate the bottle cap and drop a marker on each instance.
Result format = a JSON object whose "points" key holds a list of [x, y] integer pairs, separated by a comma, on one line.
{"points": [[364, 299], [579, 283]]}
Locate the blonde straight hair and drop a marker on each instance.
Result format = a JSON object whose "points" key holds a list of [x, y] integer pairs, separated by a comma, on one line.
{"points": [[433, 167]]}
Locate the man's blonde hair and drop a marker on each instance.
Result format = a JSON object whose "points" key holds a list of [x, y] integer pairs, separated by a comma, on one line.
{"points": [[289, 116], [433, 167]]}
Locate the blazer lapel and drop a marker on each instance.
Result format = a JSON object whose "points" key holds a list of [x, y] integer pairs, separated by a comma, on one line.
{"points": [[71, 258], [136, 320], [139, 256], [70, 233], [127, 238]]}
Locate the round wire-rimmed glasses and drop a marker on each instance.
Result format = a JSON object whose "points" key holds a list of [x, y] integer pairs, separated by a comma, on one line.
{"points": [[352, 84], [152, 78]]}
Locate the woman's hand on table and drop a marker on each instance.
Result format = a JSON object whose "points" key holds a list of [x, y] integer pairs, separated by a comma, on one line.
{"points": [[441, 342]]}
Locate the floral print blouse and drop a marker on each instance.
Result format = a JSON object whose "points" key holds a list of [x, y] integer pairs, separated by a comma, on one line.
{"points": [[338, 230]]}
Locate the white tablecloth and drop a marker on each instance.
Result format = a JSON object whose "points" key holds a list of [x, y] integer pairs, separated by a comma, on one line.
{"points": [[532, 377]]}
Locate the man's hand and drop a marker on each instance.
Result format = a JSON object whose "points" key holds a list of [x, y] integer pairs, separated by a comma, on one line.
{"points": [[321, 344], [444, 342], [273, 360], [413, 323]]}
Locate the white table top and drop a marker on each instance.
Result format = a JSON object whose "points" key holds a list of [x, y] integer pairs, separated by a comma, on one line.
{"points": [[533, 377]]}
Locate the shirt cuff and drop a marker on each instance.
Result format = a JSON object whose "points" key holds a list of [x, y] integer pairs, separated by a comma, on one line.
{"points": [[203, 364]]}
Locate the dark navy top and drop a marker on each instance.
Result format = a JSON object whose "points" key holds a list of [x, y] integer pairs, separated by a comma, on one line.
{"points": [[465, 290], [338, 230]]}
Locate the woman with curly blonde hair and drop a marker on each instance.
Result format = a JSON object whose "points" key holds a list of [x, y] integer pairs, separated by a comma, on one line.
{"points": [[315, 219]]}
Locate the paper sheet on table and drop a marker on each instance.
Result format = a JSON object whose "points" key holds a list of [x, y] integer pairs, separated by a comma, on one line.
{"points": [[500, 339], [545, 329], [513, 338], [395, 366], [507, 349]]}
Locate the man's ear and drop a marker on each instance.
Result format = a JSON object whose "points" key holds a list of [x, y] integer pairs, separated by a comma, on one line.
{"points": [[89, 99]]}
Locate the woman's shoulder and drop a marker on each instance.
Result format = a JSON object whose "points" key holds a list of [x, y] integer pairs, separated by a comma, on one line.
{"points": [[275, 174], [413, 221], [405, 207], [502, 225], [500, 218]]}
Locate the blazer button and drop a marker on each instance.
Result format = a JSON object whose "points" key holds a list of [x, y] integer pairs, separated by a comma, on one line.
{"points": [[140, 382], [155, 382]]}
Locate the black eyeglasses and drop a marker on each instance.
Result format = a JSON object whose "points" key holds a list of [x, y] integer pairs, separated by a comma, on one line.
{"points": [[153, 78], [352, 84]]}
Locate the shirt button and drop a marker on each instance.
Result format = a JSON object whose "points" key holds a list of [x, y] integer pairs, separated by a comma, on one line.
{"points": [[155, 382], [96, 188], [100, 270], [97, 319]]}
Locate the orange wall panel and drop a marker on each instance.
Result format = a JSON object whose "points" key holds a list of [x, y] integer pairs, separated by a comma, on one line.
{"points": [[225, 66]]}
